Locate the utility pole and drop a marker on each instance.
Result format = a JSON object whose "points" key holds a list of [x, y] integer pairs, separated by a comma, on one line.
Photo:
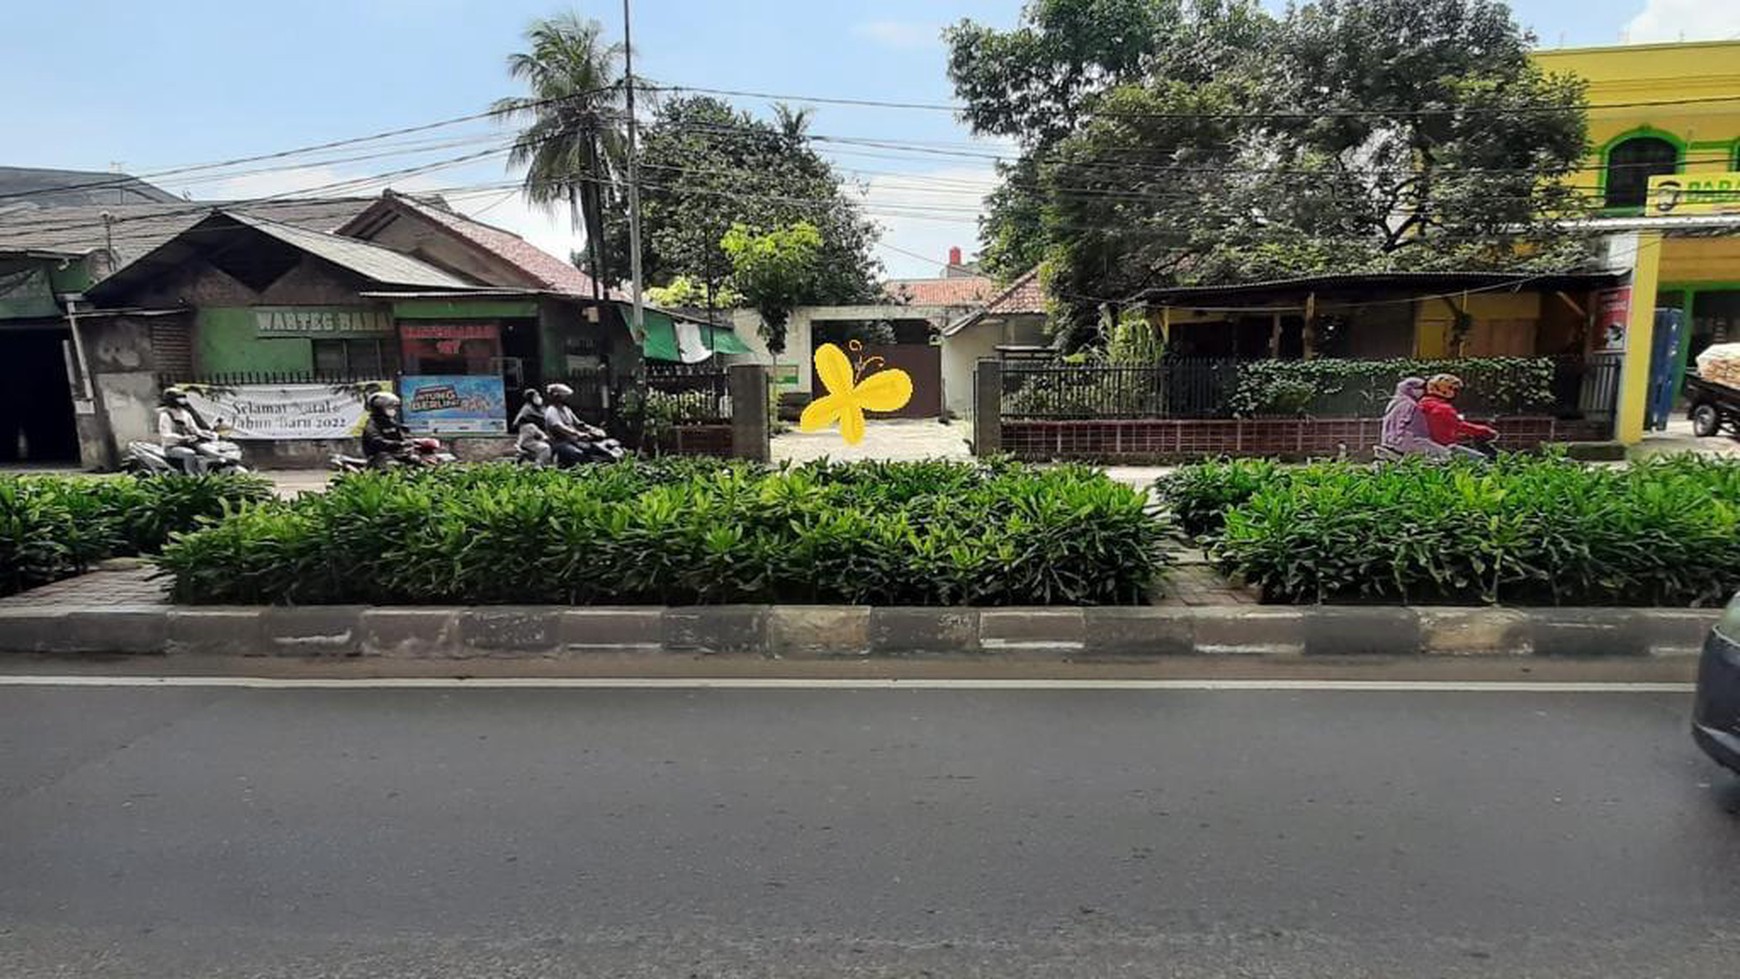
{"points": [[639, 331]]}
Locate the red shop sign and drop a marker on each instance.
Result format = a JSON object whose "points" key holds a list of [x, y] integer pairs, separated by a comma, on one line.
{"points": [[449, 331]]}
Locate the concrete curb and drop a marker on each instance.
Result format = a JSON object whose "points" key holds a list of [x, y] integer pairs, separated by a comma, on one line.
{"points": [[800, 632]]}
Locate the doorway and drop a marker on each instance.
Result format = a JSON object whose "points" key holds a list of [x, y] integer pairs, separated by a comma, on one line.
{"points": [[36, 407]]}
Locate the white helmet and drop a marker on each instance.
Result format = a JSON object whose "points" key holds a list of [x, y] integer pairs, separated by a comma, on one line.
{"points": [[383, 401], [559, 390]]}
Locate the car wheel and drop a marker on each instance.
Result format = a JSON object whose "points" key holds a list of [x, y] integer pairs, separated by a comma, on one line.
{"points": [[1705, 421]]}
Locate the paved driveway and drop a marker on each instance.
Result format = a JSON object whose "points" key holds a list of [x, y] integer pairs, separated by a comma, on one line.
{"points": [[890, 438]]}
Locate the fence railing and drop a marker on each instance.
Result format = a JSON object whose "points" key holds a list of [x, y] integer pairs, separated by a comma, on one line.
{"points": [[239, 378], [1566, 387], [688, 394]]}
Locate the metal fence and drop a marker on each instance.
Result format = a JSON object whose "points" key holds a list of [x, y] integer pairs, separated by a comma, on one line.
{"points": [[1565, 387], [230, 379], [689, 394]]}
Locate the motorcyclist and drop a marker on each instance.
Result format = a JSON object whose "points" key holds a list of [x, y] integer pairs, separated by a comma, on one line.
{"points": [[532, 443], [1447, 426], [1405, 428], [570, 437], [385, 441], [181, 430]]}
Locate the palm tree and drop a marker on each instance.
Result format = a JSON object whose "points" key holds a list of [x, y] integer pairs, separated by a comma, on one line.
{"points": [[793, 123], [573, 147]]}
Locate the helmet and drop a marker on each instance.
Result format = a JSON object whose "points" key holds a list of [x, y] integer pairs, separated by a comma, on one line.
{"points": [[383, 401], [1446, 386], [174, 395], [532, 396], [559, 390]]}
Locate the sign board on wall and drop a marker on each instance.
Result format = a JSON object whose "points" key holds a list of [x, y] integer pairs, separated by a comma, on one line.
{"points": [[285, 411], [454, 404], [1612, 317], [1695, 193], [302, 321]]}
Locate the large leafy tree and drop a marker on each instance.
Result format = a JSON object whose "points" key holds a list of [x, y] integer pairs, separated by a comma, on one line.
{"points": [[572, 147], [1346, 135], [706, 167]]}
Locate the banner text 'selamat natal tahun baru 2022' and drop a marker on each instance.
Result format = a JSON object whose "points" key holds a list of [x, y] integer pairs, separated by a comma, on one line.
{"points": [[454, 404], [285, 411]]}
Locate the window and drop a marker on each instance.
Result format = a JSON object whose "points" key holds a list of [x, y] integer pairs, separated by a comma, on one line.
{"points": [[361, 359], [1630, 165]]}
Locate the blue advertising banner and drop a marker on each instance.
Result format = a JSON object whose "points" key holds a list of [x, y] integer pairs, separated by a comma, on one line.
{"points": [[454, 404]]}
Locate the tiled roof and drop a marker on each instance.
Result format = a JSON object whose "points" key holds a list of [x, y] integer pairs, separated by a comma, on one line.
{"points": [[71, 188], [135, 229], [551, 272], [1024, 295], [966, 290]]}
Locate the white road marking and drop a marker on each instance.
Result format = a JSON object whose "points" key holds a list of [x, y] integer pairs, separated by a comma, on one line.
{"points": [[786, 683]]}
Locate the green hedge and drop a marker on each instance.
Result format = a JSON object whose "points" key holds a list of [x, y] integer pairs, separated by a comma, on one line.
{"points": [[687, 532], [1333, 387], [1525, 532], [52, 527], [1199, 495]]}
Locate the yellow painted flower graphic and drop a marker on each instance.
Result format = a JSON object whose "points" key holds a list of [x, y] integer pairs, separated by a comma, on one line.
{"points": [[850, 393]]}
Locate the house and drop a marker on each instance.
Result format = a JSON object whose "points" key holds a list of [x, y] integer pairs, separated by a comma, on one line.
{"points": [[1665, 113], [1013, 319], [37, 187], [49, 257]]}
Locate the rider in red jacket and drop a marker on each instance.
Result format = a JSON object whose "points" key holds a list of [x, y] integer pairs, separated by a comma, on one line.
{"points": [[1445, 424]]}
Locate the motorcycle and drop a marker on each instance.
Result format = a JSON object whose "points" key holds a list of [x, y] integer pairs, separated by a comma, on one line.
{"points": [[149, 458], [424, 452]]}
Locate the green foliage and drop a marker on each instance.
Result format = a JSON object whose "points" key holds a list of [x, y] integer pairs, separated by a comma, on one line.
{"points": [[1202, 141], [1361, 388], [52, 527], [692, 293], [776, 270], [706, 166], [1135, 341], [1525, 531], [1199, 495], [688, 531]]}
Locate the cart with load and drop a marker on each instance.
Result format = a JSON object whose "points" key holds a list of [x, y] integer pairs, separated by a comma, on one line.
{"points": [[1713, 391]]}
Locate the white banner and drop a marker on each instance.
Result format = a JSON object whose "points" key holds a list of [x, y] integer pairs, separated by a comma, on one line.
{"points": [[285, 411]]}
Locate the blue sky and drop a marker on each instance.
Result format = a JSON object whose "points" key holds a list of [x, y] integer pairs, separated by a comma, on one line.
{"points": [[168, 83]]}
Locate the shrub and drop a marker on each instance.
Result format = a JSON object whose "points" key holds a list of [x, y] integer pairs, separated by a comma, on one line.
{"points": [[52, 527], [1526, 531], [1329, 387], [1199, 495], [685, 532]]}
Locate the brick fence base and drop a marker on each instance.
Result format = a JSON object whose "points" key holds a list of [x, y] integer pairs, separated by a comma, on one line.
{"points": [[1152, 439], [696, 440]]}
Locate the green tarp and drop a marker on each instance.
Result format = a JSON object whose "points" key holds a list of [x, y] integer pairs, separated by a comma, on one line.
{"points": [[661, 336]]}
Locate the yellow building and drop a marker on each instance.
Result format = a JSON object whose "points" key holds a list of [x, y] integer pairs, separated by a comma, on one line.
{"points": [[1658, 109]]}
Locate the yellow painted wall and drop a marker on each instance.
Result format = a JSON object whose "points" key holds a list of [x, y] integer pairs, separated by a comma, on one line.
{"points": [[1505, 325], [1709, 131]]}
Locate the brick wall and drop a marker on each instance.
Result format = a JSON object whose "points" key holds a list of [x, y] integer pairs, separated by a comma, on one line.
{"points": [[697, 440], [1145, 440]]}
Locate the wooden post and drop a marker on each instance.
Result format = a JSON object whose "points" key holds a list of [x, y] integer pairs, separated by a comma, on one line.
{"points": [[1166, 325], [1309, 333], [1275, 336]]}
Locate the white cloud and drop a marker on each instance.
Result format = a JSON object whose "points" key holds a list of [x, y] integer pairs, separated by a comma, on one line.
{"points": [[1688, 20], [905, 34], [925, 213]]}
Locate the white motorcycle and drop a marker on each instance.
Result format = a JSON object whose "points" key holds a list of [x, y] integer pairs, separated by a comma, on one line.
{"points": [[149, 458]]}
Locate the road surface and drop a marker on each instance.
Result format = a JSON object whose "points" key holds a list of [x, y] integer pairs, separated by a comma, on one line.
{"points": [[195, 832]]}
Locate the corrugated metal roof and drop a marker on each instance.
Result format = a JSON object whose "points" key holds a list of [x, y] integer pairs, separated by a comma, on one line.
{"points": [[368, 260], [135, 229]]}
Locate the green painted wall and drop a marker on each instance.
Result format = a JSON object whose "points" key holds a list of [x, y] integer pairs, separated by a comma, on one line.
{"points": [[457, 309], [228, 342]]}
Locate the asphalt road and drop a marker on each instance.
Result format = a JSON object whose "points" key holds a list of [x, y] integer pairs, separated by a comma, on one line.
{"points": [[802, 832]]}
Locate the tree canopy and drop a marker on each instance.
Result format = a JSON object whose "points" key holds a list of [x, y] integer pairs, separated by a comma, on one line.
{"points": [[706, 168], [1182, 141]]}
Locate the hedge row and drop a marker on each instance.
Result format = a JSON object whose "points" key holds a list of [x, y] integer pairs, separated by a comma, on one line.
{"points": [[687, 532], [52, 527], [1528, 531]]}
